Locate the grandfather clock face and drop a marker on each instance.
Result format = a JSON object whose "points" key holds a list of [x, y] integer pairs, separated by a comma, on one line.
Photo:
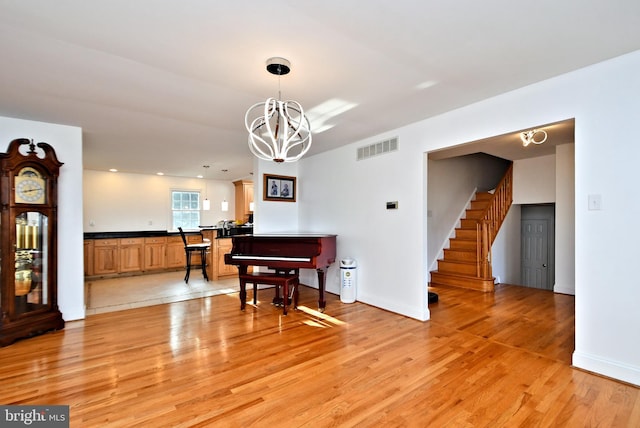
{"points": [[30, 187]]}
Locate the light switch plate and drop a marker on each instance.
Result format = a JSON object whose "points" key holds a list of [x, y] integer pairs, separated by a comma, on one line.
{"points": [[595, 202]]}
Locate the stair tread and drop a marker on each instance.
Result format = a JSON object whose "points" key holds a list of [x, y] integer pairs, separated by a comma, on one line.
{"points": [[483, 195], [461, 262], [464, 250], [459, 276], [453, 274]]}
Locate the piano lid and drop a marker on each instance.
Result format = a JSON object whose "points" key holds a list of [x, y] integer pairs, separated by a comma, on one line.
{"points": [[283, 250], [291, 235]]}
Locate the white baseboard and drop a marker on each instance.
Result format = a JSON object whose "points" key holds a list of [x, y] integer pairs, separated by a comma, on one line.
{"points": [[613, 369], [564, 290]]}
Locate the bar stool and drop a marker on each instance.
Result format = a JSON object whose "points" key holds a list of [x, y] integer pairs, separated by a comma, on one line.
{"points": [[189, 249]]}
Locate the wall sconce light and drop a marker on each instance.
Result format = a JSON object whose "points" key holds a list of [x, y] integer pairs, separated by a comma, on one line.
{"points": [[224, 205], [535, 136]]}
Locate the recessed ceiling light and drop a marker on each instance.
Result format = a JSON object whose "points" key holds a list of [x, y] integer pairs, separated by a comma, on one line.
{"points": [[160, 173], [113, 170]]}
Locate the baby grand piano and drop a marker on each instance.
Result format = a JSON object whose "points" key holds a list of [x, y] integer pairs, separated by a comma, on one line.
{"points": [[296, 251]]}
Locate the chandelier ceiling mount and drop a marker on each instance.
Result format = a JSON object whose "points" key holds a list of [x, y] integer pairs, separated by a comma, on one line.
{"points": [[278, 66]]}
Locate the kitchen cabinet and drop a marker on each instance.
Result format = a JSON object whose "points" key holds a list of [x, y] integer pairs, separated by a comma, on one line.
{"points": [[88, 257], [175, 252], [223, 247], [131, 254], [106, 256], [195, 257], [155, 253], [244, 197]]}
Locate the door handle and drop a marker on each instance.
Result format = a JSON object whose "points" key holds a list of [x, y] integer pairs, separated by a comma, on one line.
{"points": [[544, 265]]}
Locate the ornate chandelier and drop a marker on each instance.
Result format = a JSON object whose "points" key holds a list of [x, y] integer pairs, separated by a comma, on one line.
{"points": [[278, 130]]}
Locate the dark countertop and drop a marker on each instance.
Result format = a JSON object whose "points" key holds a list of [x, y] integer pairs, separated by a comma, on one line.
{"points": [[134, 234], [232, 231], [232, 227], [240, 230]]}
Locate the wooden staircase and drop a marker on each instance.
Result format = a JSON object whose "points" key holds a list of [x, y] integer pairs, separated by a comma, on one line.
{"points": [[467, 261]]}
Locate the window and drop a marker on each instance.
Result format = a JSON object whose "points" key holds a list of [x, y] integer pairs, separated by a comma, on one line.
{"points": [[185, 209]]}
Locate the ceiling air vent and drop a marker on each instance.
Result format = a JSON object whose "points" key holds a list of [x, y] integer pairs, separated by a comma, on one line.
{"points": [[375, 149]]}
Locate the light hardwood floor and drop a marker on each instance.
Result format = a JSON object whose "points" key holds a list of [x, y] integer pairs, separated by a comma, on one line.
{"points": [[121, 293], [483, 360]]}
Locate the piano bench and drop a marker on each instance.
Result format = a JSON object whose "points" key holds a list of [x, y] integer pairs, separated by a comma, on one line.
{"points": [[288, 282]]}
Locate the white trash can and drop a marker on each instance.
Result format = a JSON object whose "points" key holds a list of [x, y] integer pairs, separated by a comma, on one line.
{"points": [[348, 280]]}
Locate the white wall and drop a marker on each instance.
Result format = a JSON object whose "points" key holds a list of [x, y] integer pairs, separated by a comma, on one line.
{"points": [[348, 197], [534, 180], [67, 142], [505, 252], [120, 202], [274, 216], [565, 220]]}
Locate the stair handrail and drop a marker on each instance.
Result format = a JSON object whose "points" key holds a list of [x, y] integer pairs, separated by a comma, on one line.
{"points": [[488, 224]]}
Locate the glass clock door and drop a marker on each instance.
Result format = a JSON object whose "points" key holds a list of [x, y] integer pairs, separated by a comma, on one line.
{"points": [[31, 288]]}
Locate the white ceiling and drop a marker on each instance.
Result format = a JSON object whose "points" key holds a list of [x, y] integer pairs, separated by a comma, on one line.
{"points": [[161, 85]]}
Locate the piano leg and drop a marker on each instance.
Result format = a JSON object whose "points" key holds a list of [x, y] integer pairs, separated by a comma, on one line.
{"points": [[285, 292], [242, 270], [321, 282]]}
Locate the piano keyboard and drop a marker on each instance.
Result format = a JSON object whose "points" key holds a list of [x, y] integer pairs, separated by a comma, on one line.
{"points": [[271, 258]]}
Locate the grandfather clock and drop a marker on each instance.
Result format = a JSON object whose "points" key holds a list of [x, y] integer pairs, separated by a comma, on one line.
{"points": [[28, 244]]}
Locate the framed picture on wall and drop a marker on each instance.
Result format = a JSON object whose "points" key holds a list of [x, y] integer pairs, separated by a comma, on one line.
{"points": [[279, 188]]}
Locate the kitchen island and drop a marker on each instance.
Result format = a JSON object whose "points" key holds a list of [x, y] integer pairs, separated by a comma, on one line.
{"points": [[220, 245]]}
